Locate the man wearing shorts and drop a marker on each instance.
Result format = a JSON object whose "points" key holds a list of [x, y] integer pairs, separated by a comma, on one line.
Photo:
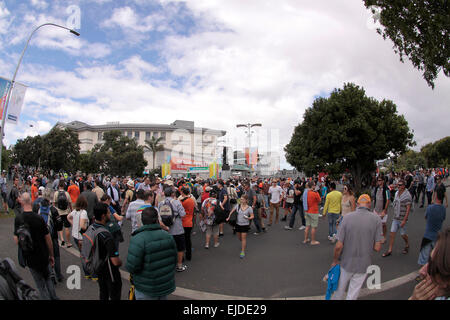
{"points": [[312, 214], [381, 203], [402, 208]]}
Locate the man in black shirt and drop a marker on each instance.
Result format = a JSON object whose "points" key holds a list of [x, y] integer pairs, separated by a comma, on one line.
{"points": [[109, 280], [297, 206], [41, 259]]}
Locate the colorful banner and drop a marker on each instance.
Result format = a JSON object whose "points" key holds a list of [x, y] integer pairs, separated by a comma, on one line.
{"points": [[251, 157], [179, 164], [15, 101], [213, 170], [165, 170]]}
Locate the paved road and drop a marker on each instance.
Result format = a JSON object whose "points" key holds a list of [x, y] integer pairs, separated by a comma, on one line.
{"points": [[277, 265]]}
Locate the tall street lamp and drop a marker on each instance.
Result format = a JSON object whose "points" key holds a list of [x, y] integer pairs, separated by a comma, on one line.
{"points": [[249, 126], [5, 109]]}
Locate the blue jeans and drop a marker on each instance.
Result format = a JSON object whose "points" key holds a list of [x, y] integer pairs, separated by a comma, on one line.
{"points": [[142, 296], [297, 208], [44, 285], [332, 218]]}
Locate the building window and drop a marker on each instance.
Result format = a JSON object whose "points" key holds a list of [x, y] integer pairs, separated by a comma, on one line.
{"points": [[163, 136], [136, 135], [130, 134], [155, 135], [147, 135], [100, 136]]}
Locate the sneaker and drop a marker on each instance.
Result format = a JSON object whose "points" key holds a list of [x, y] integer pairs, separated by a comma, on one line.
{"points": [[256, 233], [302, 228], [329, 238], [264, 229], [182, 268], [242, 255], [287, 228], [220, 234], [216, 244], [62, 244], [283, 219], [207, 247]]}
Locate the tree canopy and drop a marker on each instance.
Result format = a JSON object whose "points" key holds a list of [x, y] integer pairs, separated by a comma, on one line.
{"points": [[348, 131], [58, 150], [419, 30], [119, 155]]}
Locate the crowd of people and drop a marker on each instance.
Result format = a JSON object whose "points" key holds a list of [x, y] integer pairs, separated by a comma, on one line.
{"points": [[88, 211]]}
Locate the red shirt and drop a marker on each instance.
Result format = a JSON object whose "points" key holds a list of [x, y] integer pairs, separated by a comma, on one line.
{"points": [[74, 192], [313, 202], [188, 205], [34, 193]]}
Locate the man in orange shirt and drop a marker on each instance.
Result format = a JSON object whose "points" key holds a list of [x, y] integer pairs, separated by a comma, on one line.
{"points": [[188, 203], [312, 214], [34, 191], [74, 191]]}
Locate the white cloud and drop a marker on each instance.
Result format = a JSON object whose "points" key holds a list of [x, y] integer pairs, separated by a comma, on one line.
{"points": [[39, 4], [247, 61]]}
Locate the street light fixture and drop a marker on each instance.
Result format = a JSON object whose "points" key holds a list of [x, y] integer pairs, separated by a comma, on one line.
{"points": [[249, 126], [5, 109]]}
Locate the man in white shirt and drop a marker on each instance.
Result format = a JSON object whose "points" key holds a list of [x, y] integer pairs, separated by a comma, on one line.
{"points": [[275, 192]]}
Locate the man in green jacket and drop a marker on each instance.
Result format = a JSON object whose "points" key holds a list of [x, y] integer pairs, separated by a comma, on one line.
{"points": [[152, 259]]}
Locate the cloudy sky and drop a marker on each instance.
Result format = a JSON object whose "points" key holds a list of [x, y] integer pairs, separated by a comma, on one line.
{"points": [[215, 62]]}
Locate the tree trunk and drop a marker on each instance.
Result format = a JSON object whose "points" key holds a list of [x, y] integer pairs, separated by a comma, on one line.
{"points": [[357, 178], [154, 157]]}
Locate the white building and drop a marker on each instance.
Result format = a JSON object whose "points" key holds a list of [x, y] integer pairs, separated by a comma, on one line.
{"points": [[183, 142]]}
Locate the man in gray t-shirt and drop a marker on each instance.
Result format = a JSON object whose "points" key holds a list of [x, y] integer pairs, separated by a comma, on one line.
{"points": [[358, 236]]}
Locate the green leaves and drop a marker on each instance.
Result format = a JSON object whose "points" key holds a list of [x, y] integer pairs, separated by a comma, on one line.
{"points": [[58, 150], [348, 130], [419, 30]]}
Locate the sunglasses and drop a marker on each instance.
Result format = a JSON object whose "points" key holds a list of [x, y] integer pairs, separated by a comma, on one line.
{"points": [[400, 184]]}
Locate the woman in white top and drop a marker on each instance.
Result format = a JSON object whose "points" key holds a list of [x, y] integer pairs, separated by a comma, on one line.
{"points": [[79, 220], [244, 215]]}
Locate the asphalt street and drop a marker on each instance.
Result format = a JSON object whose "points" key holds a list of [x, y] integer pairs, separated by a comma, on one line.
{"points": [[277, 265]]}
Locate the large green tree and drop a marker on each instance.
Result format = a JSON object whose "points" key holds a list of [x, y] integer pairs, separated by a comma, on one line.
{"points": [[28, 151], [60, 150], [350, 131], [419, 30], [437, 154], [118, 155]]}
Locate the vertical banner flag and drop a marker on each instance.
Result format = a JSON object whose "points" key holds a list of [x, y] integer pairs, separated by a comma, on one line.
{"points": [[15, 101]]}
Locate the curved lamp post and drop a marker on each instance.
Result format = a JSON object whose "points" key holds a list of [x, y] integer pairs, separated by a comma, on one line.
{"points": [[249, 127], [5, 109]]}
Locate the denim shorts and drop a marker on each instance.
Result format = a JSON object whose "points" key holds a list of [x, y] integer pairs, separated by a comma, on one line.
{"points": [[396, 226], [425, 253]]}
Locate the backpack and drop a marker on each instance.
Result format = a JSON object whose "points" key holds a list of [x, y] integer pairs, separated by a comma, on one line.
{"points": [[44, 212], [18, 288], [90, 250], [25, 240], [11, 199], [62, 203], [167, 213]]}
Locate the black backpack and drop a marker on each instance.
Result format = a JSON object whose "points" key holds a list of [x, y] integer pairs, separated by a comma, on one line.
{"points": [[17, 287], [25, 240], [11, 199], [62, 203]]}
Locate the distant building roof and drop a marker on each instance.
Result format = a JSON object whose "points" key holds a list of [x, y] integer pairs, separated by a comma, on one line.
{"points": [[178, 124]]}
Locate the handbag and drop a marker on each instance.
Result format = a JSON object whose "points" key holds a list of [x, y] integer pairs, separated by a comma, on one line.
{"points": [[233, 218]]}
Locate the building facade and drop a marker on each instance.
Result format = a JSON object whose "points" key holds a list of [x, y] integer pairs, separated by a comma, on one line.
{"points": [[184, 144]]}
